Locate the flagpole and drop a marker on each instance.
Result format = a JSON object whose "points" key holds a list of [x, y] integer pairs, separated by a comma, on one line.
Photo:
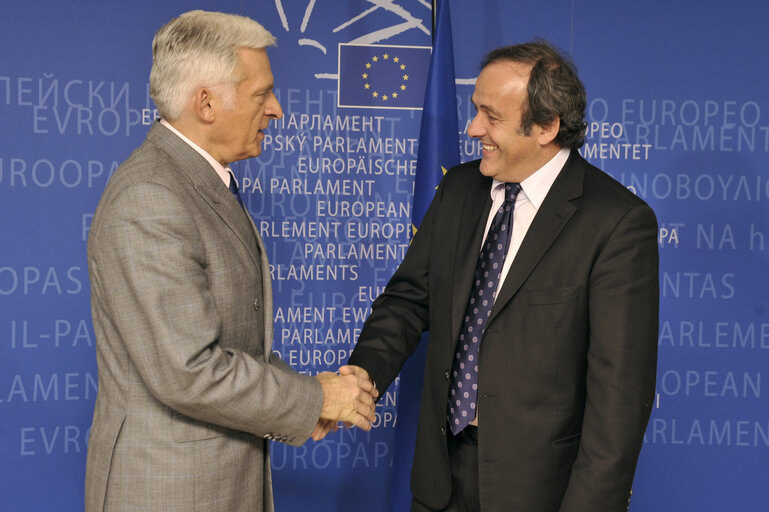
{"points": [[435, 14]]}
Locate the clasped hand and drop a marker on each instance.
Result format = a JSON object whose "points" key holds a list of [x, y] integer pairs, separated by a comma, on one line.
{"points": [[348, 396]]}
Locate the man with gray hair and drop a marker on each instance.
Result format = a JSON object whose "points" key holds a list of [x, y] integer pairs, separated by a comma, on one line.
{"points": [[189, 390]]}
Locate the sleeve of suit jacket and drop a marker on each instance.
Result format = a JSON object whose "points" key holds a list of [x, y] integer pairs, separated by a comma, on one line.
{"points": [[149, 270], [401, 314], [623, 303]]}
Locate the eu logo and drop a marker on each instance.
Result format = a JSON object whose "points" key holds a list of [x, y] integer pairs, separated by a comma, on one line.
{"points": [[375, 76]]}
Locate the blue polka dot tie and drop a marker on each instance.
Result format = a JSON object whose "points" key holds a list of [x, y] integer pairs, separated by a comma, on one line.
{"points": [[464, 373]]}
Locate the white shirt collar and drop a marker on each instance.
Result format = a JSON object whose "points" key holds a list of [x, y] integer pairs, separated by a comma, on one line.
{"points": [[536, 186], [223, 172]]}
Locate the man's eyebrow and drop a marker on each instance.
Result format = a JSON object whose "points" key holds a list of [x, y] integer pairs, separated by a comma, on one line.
{"points": [[487, 108], [265, 89]]}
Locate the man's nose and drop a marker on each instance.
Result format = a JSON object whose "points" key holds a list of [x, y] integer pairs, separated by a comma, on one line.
{"points": [[273, 109], [475, 129]]}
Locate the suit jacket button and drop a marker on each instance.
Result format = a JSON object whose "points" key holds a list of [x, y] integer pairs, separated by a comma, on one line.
{"points": [[257, 304], [443, 431], [446, 375]]}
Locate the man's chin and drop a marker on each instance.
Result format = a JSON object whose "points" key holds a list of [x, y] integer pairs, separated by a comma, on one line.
{"points": [[247, 154], [486, 169]]}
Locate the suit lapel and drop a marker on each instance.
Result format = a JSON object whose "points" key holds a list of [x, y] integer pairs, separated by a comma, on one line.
{"points": [[471, 224], [207, 183], [221, 200], [553, 214]]}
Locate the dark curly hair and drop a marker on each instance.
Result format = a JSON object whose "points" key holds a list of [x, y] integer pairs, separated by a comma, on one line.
{"points": [[554, 90]]}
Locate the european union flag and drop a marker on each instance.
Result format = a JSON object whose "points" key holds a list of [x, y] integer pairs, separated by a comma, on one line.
{"points": [[376, 76], [438, 151], [439, 131]]}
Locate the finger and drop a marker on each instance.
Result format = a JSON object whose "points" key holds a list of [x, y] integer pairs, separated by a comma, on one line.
{"points": [[370, 396], [353, 369], [361, 422], [362, 389], [370, 414], [323, 428], [368, 411], [364, 381], [360, 373], [353, 417], [367, 401], [368, 387], [317, 433]]}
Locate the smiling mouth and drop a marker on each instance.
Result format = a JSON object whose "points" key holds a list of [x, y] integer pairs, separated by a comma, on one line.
{"points": [[488, 147]]}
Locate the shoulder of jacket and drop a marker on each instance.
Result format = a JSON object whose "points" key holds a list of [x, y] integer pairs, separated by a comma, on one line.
{"points": [[602, 185]]}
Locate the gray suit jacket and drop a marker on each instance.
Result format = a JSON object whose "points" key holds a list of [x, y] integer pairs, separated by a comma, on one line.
{"points": [[182, 309]]}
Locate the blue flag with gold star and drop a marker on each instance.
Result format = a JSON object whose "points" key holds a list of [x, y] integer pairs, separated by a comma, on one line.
{"points": [[439, 132], [376, 76], [438, 151]]}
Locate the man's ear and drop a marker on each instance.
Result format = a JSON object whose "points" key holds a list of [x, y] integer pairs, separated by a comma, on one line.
{"points": [[204, 108], [548, 132]]}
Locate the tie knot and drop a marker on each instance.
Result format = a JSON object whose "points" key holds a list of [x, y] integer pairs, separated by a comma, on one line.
{"points": [[233, 184], [511, 191]]}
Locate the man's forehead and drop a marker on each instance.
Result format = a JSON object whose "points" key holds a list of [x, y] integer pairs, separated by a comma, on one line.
{"points": [[509, 69], [253, 57], [501, 77], [254, 64]]}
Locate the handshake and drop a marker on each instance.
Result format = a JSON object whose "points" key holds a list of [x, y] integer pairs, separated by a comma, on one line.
{"points": [[348, 396]]}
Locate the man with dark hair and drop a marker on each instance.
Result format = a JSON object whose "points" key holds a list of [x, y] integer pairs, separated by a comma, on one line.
{"points": [[541, 361], [190, 392]]}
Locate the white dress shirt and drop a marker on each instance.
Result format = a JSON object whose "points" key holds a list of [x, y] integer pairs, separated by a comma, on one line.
{"points": [[533, 192]]}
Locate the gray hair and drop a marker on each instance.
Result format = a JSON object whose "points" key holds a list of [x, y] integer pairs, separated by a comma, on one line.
{"points": [[200, 49], [554, 90]]}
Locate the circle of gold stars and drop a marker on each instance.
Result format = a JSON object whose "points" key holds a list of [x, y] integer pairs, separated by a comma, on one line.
{"points": [[394, 62]]}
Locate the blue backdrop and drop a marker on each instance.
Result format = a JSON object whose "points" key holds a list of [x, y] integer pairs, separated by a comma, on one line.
{"points": [[678, 112]]}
